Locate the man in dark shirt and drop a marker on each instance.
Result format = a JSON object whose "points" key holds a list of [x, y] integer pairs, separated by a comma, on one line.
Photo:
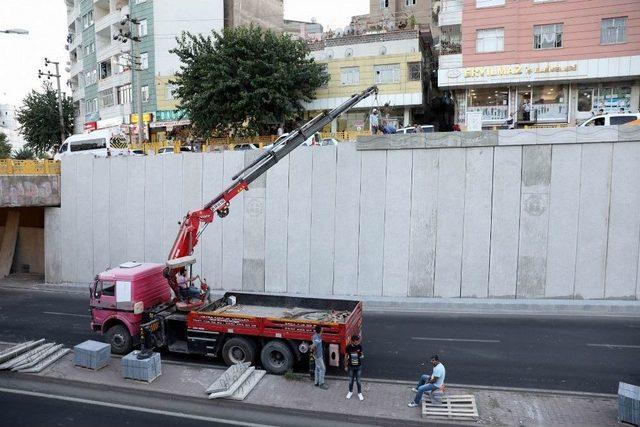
{"points": [[353, 364]]}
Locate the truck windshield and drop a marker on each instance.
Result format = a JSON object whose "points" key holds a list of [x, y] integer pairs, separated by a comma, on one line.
{"points": [[89, 144]]}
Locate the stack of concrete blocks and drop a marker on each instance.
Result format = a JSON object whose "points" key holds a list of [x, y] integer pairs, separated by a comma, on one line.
{"points": [[141, 369], [236, 383], [628, 403], [92, 354]]}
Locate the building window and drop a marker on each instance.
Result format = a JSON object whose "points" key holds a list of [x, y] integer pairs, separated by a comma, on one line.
{"points": [[386, 73], [414, 71], [409, 3], [614, 30], [89, 49], [105, 69], [170, 92], [613, 98], [142, 28], [492, 102], [90, 77], [489, 3], [145, 93], [87, 20], [106, 98], [350, 76], [547, 102], [490, 40], [140, 1], [325, 71], [384, 4], [92, 105], [144, 61], [124, 94], [547, 36], [585, 100]]}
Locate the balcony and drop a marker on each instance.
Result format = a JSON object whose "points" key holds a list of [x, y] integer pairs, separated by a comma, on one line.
{"points": [[112, 49], [446, 62], [451, 13], [78, 94], [76, 68], [107, 20], [114, 80]]}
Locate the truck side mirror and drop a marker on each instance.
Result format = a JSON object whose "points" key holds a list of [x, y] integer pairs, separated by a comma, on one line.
{"points": [[97, 290]]}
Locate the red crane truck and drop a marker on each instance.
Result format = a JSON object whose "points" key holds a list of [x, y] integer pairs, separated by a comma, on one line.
{"points": [[155, 304]]}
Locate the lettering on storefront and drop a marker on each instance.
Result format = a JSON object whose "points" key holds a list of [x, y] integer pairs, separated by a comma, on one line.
{"points": [[516, 70]]}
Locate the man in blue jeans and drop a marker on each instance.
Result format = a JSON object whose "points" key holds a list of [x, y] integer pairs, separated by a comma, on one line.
{"points": [[318, 355], [429, 383]]}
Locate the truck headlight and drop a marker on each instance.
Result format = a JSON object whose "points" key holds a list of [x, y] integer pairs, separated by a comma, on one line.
{"points": [[138, 307]]}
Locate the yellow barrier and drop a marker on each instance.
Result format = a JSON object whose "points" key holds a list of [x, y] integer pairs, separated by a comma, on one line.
{"points": [[29, 167]]}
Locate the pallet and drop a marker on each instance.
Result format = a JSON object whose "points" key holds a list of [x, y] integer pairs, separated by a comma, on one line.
{"points": [[460, 407]]}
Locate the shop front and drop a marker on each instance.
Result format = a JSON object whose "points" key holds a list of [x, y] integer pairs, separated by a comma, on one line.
{"points": [[169, 124]]}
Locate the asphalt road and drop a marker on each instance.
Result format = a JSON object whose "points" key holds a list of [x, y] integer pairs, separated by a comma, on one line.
{"points": [[588, 354]]}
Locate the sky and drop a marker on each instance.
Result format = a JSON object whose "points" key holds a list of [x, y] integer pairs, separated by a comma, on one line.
{"points": [[46, 20]]}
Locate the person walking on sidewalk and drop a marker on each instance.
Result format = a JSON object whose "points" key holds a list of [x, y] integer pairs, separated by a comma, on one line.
{"points": [[429, 383], [318, 356], [353, 362]]}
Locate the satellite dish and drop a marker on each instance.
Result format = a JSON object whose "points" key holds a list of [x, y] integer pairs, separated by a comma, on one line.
{"points": [[339, 32]]}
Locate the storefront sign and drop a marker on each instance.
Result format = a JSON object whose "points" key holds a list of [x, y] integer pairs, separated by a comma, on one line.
{"points": [[170, 124], [92, 117], [170, 115], [146, 118], [90, 126], [517, 70]]}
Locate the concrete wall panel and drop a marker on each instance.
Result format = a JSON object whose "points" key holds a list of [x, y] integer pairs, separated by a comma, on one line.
{"points": [[624, 222], [69, 247], [397, 229], [564, 201], [84, 227], [254, 231], [154, 250], [211, 239], [233, 227], [191, 193], [450, 217], [505, 220], [477, 223], [135, 210], [595, 181], [277, 218], [118, 211], [101, 214], [323, 211], [347, 221], [299, 221], [52, 245], [422, 240], [372, 219]]}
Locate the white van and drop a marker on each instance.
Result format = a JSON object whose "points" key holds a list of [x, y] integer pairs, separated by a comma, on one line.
{"points": [[611, 119], [99, 143]]}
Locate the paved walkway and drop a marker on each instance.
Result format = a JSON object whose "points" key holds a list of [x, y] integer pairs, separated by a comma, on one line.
{"points": [[385, 403]]}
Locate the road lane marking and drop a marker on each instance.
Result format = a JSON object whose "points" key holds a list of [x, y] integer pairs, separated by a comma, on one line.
{"points": [[613, 345], [452, 339], [55, 313], [128, 407]]}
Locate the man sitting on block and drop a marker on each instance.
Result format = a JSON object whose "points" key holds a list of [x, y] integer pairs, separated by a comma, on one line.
{"points": [[429, 383]]}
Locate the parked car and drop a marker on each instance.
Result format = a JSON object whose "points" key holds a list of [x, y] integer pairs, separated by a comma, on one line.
{"points": [[412, 129], [328, 141], [97, 143], [244, 147], [169, 149], [611, 119], [315, 139]]}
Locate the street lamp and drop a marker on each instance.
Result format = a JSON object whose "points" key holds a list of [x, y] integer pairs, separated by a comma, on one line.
{"points": [[15, 31]]}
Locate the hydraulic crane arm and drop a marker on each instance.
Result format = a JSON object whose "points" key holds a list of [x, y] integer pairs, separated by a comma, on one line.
{"points": [[188, 234]]}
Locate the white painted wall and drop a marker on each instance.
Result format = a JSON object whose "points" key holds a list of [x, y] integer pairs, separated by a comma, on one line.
{"points": [[362, 50], [520, 221]]}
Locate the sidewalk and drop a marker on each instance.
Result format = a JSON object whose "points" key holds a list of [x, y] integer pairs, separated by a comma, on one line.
{"points": [[384, 404]]}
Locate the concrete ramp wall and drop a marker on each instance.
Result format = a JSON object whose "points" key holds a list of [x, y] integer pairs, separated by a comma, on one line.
{"points": [[517, 214]]}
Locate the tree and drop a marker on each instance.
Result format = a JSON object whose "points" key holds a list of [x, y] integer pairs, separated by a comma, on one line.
{"points": [[24, 154], [244, 81], [5, 147], [39, 119]]}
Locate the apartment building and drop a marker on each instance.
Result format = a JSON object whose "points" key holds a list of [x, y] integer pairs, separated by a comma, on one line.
{"points": [[396, 14], [304, 30], [392, 60], [567, 58], [268, 14], [9, 126]]}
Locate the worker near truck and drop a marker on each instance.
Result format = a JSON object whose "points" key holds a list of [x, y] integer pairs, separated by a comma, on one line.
{"points": [[318, 356], [353, 365], [185, 285], [429, 383]]}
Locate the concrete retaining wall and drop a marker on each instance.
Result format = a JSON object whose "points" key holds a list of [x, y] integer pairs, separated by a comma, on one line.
{"points": [[29, 190], [518, 214]]}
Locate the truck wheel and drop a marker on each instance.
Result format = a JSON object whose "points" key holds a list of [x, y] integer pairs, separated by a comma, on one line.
{"points": [[277, 357], [237, 350], [120, 339]]}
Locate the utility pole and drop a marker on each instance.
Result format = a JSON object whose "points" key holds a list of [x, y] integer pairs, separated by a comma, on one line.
{"points": [[48, 75], [132, 35]]}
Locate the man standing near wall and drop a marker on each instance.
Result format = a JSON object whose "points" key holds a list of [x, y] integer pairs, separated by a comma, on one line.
{"points": [[318, 355], [373, 120]]}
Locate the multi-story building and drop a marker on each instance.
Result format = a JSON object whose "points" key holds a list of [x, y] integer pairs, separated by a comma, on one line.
{"points": [[9, 126], [303, 29], [568, 59], [268, 14], [395, 14], [392, 60]]}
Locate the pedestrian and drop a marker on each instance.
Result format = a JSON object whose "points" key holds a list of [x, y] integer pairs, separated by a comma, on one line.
{"points": [[373, 121], [417, 128], [318, 356], [601, 112], [526, 111], [353, 365], [429, 383]]}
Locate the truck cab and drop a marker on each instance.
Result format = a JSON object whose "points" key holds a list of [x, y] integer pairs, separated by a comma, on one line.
{"points": [[120, 295]]}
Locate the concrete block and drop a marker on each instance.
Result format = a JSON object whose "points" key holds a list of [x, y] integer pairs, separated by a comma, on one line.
{"points": [[566, 135], [92, 354], [397, 224], [211, 239], [323, 208], [299, 228], [347, 224], [450, 220], [277, 218], [254, 231], [392, 142], [597, 134], [564, 200], [371, 239], [230, 376], [624, 222], [443, 139], [628, 133], [517, 137], [141, 369], [487, 138], [233, 227], [477, 223], [505, 222], [595, 182], [422, 240]]}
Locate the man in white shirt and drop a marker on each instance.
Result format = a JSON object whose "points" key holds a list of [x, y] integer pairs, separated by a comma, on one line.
{"points": [[429, 383]]}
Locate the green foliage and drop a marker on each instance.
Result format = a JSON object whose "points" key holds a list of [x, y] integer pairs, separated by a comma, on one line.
{"points": [[244, 81], [39, 119], [5, 147], [24, 154]]}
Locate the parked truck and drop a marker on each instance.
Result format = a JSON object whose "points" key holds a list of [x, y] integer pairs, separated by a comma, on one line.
{"points": [[155, 304]]}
